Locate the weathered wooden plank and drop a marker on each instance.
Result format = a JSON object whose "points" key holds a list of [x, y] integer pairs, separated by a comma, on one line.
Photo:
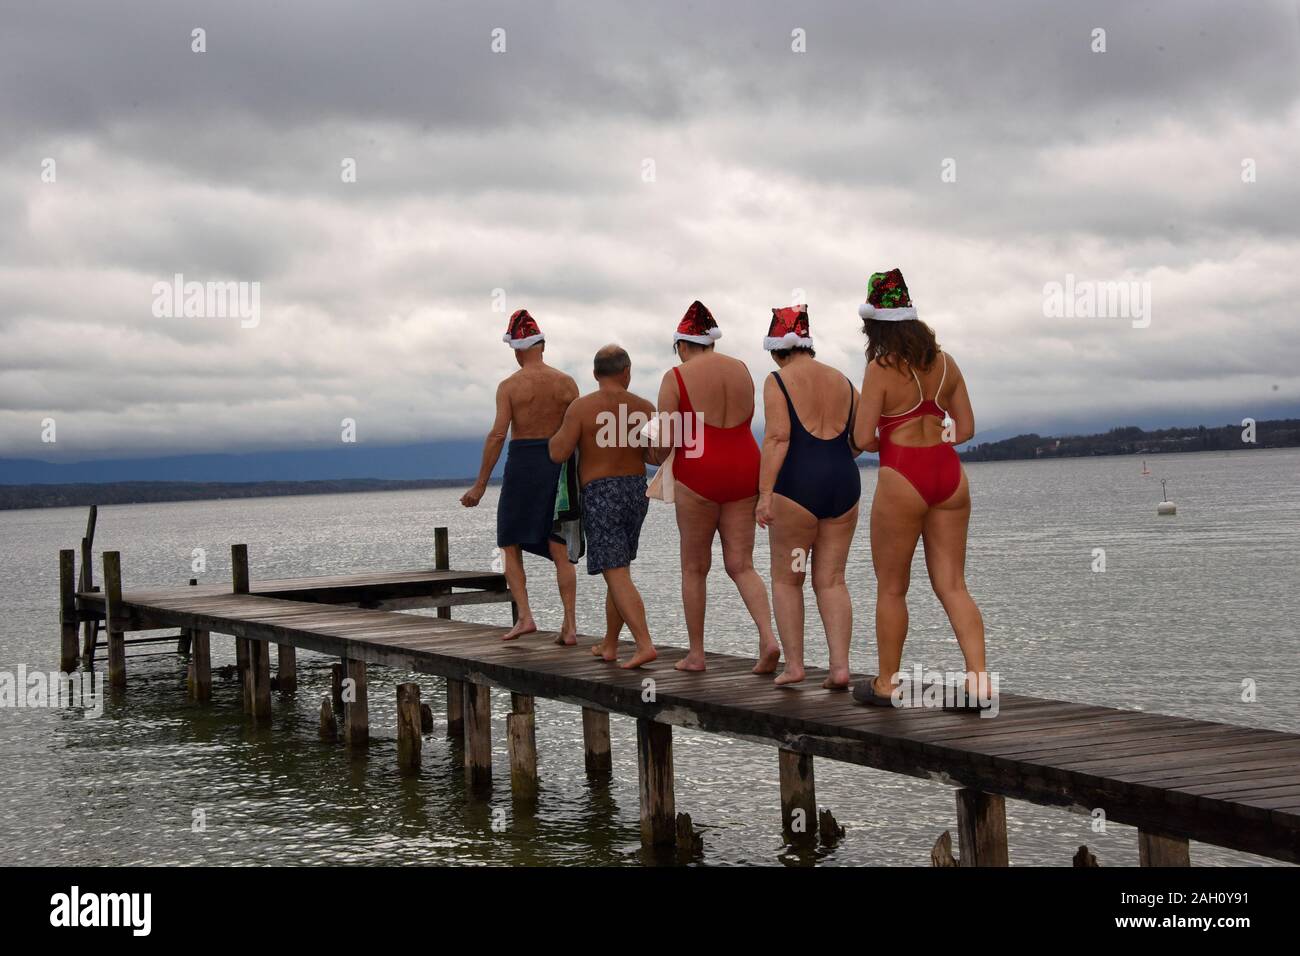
{"points": [[1155, 849]]}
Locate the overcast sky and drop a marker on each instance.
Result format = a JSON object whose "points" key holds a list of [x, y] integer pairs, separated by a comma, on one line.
{"points": [[528, 171]]}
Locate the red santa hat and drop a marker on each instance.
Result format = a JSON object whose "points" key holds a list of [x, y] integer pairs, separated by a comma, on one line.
{"points": [[697, 326], [523, 331], [789, 329]]}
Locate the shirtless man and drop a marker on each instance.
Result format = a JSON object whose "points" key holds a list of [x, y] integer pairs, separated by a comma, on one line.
{"points": [[530, 406], [604, 426]]}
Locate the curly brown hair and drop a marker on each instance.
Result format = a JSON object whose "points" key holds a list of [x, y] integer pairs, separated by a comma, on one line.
{"points": [[893, 343]]}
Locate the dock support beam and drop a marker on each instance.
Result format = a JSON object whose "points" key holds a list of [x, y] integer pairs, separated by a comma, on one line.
{"points": [[442, 560], [409, 738], [654, 760], [798, 797], [595, 740], [356, 714], [286, 668], [981, 828], [1155, 849], [86, 583], [200, 671], [243, 664], [113, 622], [260, 670], [521, 742], [455, 709], [478, 735], [67, 610]]}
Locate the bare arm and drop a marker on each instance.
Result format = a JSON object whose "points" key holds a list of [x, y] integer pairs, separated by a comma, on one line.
{"points": [[496, 440], [959, 407], [776, 442], [869, 409], [564, 441], [669, 402]]}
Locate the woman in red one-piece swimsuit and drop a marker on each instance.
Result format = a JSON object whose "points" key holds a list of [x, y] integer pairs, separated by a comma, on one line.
{"points": [[716, 480], [915, 408]]}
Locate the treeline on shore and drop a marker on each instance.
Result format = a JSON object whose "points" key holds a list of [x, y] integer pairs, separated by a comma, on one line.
{"points": [[1131, 440], [144, 492]]}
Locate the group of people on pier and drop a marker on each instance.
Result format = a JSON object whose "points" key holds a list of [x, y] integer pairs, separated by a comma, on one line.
{"points": [[575, 483]]}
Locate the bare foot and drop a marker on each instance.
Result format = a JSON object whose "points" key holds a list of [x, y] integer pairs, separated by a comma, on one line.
{"points": [[792, 674], [643, 655], [568, 636], [526, 625], [607, 654], [768, 659], [691, 662]]}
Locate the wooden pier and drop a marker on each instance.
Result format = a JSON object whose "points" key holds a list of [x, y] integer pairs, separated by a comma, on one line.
{"points": [[1173, 778]]}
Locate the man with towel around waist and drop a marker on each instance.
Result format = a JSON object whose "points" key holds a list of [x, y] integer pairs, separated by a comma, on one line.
{"points": [[605, 428], [530, 405]]}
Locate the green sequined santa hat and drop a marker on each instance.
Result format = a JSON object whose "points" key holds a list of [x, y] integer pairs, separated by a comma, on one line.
{"points": [[887, 298]]}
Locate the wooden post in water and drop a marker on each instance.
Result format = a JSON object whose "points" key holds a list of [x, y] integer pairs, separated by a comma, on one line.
{"points": [[981, 828], [244, 665], [478, 735], [239, 568], [654, 762], [327, 729], [336, 684], [244, 658], [455, 709], [442, 560], [356, 714], [595, 741], [1155, 849], [260, 667], [798, 797], [200, 682], [67, 610], [113, 619], [89, 628], [286, 668], [186, 636], [521, 743], [409, 738]]}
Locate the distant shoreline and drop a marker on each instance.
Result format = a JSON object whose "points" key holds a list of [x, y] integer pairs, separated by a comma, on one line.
{"points": [[35, 496]]}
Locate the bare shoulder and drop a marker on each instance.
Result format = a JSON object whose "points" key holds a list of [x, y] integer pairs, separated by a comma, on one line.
{"points": [[640, 404]]}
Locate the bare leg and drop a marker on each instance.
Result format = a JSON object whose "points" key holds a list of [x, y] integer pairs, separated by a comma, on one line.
{"points": [[566, 577], [829, 556], [790, 536], [736, 525], [896, 516], [518, 582], [944, 532], [697, 520], [608, 648], [627, 599]]}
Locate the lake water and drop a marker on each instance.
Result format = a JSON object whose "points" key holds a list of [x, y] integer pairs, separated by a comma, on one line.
{"points": [[1188, 608]]}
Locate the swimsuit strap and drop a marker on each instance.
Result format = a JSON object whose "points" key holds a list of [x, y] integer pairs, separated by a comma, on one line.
{"points": [[684, 401], [848, 425], [794, 416]]}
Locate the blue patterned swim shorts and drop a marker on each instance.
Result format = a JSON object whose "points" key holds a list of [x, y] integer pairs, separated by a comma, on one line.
{"points": [[612, 512]]}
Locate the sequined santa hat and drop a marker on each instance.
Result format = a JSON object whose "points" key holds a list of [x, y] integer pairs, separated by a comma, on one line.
{"points": [[789, 329], [523, 331], [887, 298], [697, 326]]}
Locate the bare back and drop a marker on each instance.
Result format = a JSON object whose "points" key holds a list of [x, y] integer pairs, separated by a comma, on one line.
{"points": [[821, 395], [607, 445], [941, 382], [538, 396], [718, 386]]}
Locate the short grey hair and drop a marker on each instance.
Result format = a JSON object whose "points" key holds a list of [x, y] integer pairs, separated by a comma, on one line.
{"points": [[611, 360]]}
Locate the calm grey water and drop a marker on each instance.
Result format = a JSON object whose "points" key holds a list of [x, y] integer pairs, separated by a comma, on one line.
{"points": [[1188, 608]]}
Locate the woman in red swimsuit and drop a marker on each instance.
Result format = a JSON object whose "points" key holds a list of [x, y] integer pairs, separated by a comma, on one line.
{"points": [[915, 408], [715, 471]]}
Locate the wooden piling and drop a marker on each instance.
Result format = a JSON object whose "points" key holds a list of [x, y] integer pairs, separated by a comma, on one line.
{"points": [[798, 797], [595, 740], [260, 667], [442, 560], [239, 568], [113, 622], [521, 742], [478, 735], [654, 752], [981, 828], [328, 730], [86, 583], [184, 640], [67, 610], [244, 665], [200, 667], [1156, 849], [455, 709], [337, 671], [426, 719], [355, 712], [286, 668], [409, 738]]}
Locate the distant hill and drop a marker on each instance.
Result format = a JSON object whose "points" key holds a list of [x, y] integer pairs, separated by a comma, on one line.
{"points": [[1131, 440]]}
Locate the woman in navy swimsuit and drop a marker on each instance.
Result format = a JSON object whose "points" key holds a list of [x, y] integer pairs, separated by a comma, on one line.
{"points": [[808, 491]]}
